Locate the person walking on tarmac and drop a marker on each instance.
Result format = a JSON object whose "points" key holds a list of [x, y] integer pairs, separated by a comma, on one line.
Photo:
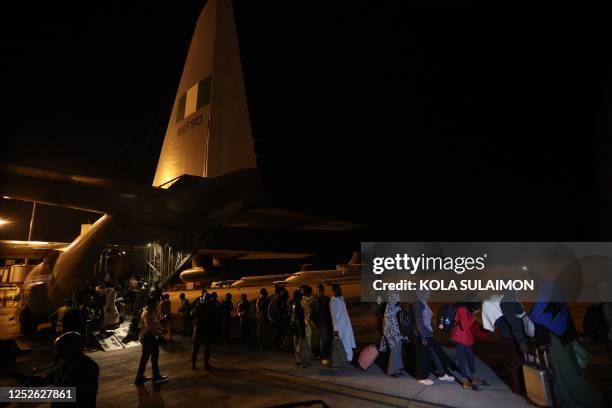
{"points": [[426, 347], [341, 321], [184, 310], [464, 334], [312, 335], [149, 338], [503, 313], [320, 314], [225, 311], [303, 354], [243, 310], [141, 301], [217, 313], [391, 341], [261, 310], [166, 317], [278, 315], [204, 333]]}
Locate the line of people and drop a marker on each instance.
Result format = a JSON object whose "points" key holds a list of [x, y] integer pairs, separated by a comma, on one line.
{"points": [[407, 336], [318, 327], [313, 320], [306, 325], [549, 327], [321, 327]]}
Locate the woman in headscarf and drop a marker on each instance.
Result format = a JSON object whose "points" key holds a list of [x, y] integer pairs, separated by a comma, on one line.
{"points": [[554, 330], [503, 313], [426, 346], [302, 349], [391, 340], [341, 322]]}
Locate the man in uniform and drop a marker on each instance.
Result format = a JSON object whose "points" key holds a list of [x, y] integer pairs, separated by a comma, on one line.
{"points": [[204, 333]]}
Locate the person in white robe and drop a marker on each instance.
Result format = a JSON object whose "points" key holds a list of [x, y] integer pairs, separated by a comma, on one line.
{"points": [[491, 311], [341, 321], [111, 314]]}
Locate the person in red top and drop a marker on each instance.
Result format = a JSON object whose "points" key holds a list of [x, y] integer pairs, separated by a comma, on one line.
{"points": [[463, 332]]}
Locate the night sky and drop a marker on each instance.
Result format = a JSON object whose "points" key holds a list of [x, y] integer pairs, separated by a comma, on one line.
{"points": [[424, 123]]}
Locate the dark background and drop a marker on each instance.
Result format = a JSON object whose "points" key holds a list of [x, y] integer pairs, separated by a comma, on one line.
{"points": [[424, 122]]}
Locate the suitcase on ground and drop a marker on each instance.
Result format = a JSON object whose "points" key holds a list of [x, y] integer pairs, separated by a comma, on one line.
{"points": [[538, 384], [368, 356]]}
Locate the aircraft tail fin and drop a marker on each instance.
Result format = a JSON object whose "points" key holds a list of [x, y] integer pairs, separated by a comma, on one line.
{"points": [[209, 131]]}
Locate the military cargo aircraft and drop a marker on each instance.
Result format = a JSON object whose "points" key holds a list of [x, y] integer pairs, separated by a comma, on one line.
{"points": [[206, 176]]}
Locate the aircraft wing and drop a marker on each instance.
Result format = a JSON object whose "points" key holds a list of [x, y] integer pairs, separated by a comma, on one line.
{"points": [[75, 191], [10, 249], [252, 255], [278, 218], [134, 200]]}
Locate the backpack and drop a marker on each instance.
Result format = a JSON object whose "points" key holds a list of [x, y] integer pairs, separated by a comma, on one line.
{"points": [[594, 324], [557, 324], [446, 317]]}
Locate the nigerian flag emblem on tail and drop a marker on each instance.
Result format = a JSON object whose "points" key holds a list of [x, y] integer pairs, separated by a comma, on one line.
{"points": [[196, 97]]}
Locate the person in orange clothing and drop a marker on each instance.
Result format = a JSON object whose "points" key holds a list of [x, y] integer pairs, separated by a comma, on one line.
{"points": [[462, 334]]}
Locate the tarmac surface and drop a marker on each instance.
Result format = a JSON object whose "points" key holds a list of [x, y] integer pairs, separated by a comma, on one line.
{"points": [[250, 378]]}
